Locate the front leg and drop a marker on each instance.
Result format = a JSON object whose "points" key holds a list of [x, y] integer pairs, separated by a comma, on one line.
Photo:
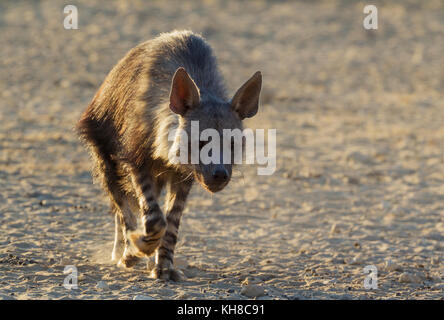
{"points": [[175, 203], [153, 221]]}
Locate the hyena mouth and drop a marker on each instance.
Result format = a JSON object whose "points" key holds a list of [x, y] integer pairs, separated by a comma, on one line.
{"points": [[214, 189]]}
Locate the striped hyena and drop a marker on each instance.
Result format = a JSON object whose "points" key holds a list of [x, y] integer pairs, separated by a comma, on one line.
{"points": [[160, 85]]}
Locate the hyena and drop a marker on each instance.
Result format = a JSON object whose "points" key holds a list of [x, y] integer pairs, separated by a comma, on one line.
{"points": [[160, 85]]}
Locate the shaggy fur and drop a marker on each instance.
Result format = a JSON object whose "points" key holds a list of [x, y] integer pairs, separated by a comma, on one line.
{"points": [[160, 85]]}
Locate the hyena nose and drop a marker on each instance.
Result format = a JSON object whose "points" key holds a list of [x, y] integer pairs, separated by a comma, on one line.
{"points": [[220, 174]]}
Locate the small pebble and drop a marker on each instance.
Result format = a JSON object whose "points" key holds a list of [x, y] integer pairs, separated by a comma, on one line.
{"points": [[356, 260], [142, 297], [391, 266], [253, 291], [409, 278], [334, 229], [102, 285], [352, 180]]}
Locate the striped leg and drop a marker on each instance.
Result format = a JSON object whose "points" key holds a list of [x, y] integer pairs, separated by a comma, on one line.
{"points": [[175, 203], [153, 220], [128, 224]]}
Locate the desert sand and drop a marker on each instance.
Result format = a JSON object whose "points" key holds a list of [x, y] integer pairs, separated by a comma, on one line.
{"points": [[360, 147]]}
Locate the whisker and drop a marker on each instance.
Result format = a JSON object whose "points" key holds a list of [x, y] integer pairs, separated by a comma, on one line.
{"points": [[186, 178], [163, 173]]}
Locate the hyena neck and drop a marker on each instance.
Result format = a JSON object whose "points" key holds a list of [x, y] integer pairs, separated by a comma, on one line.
{"points": [[165, 122]]}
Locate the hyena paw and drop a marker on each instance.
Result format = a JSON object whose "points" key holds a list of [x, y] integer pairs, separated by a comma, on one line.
{"points": [[128, 261], [145, 244], [154, 228], [167, 274]]}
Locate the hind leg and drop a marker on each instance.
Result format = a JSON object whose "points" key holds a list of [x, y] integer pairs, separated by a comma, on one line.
{"points": [[125, 224], [130, 254], [113, 176], [125, 220], [119, 239]]}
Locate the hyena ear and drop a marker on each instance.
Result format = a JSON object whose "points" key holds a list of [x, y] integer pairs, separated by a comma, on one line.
{"points": [[246, 100], [184, 94]]}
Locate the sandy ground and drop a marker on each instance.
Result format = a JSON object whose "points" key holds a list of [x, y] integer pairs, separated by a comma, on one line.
{"points": [[360, 175]]}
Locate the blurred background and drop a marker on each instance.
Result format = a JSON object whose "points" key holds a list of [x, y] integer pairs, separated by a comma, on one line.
{"points": [[359, 119]]}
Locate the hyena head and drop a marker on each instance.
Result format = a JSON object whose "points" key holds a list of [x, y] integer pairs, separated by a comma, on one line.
{"points": [[204, 117]]}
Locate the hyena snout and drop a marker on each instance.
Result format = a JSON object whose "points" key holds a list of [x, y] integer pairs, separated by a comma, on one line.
{"points": [[220, 175], [216, 178]]}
